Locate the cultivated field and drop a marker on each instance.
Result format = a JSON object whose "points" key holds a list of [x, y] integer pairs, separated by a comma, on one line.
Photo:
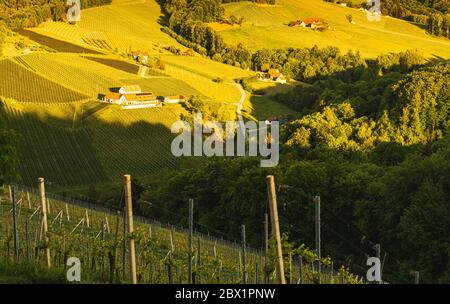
{"points": [[265, 26], [65, 156], [25, 86], [122, 26], [52, 98]]}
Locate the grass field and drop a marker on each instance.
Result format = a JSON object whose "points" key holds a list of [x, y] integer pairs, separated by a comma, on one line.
{"points": [[262, 107], [25, 273], [265, 27]]}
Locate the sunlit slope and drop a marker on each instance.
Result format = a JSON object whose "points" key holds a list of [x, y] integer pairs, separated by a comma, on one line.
{"points": [[266, 27], [121, 26]]}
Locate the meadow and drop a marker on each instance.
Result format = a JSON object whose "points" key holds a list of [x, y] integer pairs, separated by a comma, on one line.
{"points": [[265, 26]]}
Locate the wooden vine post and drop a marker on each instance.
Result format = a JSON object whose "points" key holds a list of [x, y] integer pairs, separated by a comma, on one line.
{"points": [[266, 248], [190, 239], [244, 256], [129, 210], [43, 202], [318, 242], [16, 233], [275, 227]]}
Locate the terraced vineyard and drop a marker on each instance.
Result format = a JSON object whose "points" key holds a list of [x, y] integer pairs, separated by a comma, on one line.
{"points": [[65, 156], [25, 86], [56, 44], [98, 145], [53, 97], [117, 64], [135, 141], [137, 27]]}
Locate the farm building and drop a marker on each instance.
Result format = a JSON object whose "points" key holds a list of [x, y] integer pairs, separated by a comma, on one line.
{"points": [[139, 56], [141, 100], [131, 97], [137, 98], [310, 22], [174, 99], [111, 97], [276, 75], [130, 89]]}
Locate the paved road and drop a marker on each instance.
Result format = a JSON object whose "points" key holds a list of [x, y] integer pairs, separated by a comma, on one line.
{"points": [[239, 105], [241, 102]]}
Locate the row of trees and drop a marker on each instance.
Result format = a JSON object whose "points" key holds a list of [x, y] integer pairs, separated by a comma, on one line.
{"points": [[439, 24], [310, 64], [187, 22]]}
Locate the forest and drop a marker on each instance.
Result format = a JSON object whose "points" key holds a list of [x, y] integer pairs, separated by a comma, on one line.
{"points": [[377, 151]]}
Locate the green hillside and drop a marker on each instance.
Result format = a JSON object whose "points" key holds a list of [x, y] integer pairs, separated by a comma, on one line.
{"points": [[265, 26], [51, 95], [56, 88]]}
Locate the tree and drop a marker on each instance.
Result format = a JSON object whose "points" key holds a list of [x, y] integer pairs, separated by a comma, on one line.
{"points": [[424, 231], [349, 18]]}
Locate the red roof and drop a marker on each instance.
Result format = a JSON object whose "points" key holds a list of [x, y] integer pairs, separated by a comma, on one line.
{"points": [[274, 73], [312, 20], [112, 95]]}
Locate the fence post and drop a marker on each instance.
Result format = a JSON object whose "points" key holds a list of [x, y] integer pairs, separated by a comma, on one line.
{"points": [[28, 199], [300, 281], [377, 248], [244, 256], [129, 209], [48, 205], [44, 218], [275, 227], [191, 245], [266, 248], [67, 213], [317, 217], [27, 233], [415, 274], [16, 233]]}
